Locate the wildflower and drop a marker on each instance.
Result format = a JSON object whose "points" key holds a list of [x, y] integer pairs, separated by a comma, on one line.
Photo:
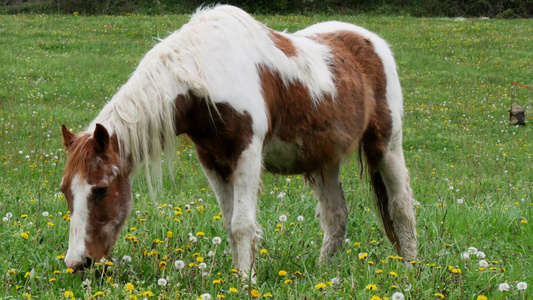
{"points": [[233, 290], [217, 240], [282, 273], [108, 263], [255, 293], [288, 281], [375, 298], [439, 295], [5, 219], [126, 258], [263, 251], [481, 297], [335, 280], [45, 214], [282, 218], [218, 281], [379, 271], [397, 296], [9, 215], [205, 296], [169, 234], [179, 264], [521, 286], [202, 266], [193, 239], [200, 233], [321, 286], [483, 263], [281, 196], [460, 201], [199, 259], [162, 282], [393, 274], [472, 250], [68, 294], [267, 295], [372, 287], [362, 256], [300, 218], [98, 294], [52, 280], [523, 222], [162, 265], [480, 254], [129, 287], [504, 287], [69, 271], [24, 235]]}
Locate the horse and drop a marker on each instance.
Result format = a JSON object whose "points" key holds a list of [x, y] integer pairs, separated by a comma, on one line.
{"points": [[251, 99]]}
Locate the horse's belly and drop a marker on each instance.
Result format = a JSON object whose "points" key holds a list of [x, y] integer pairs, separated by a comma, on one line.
{"points": [[282, 157]]}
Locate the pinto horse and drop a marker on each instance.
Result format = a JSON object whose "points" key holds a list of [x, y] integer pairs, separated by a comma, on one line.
{"points": [[250, 98]]}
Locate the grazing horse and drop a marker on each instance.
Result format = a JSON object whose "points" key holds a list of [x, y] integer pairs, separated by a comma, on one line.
{"points": [[250, 98]]}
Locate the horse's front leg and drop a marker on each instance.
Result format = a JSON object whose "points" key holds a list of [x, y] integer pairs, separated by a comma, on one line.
{"points": [[244, 228]]}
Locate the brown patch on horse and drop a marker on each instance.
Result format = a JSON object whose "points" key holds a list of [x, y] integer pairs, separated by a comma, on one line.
{"points": [[220, 134], [283, 43]]}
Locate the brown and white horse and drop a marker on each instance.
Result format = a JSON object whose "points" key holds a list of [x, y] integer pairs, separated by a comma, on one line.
{"points": [[250, 98]]}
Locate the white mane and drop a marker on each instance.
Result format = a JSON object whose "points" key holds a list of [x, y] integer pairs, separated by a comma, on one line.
{"points": [[214, 56]]}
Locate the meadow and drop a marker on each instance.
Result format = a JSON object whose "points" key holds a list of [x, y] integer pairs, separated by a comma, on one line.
{"points": [[470, 173]]}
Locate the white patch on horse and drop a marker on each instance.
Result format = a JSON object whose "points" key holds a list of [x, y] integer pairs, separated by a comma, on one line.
{"points": [[79, 219]]}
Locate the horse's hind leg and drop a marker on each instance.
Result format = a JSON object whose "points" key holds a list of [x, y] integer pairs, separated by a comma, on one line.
{"points": [[331, 209], [395, 177]]}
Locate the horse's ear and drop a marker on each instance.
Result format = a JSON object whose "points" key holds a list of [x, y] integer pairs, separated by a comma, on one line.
{"points": [[68, 136], [101, 136]]}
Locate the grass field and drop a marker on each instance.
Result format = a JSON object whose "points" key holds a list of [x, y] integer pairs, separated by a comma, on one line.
{"points": [[470, 172]]}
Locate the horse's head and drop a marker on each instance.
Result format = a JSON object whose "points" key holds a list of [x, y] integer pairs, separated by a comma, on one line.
{"points": [[98, 191]]}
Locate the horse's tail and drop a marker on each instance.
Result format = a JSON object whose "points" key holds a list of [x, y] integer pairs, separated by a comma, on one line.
{"points": [[374, 153]]}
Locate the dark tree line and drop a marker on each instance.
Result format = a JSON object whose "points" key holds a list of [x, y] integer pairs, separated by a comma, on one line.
{"points": [[428, 8]]}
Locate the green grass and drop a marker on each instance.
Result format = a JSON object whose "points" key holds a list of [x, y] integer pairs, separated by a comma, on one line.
{"points": [[456, 77]]}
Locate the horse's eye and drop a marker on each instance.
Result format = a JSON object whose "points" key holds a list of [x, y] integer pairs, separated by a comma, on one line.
{"points": [[99, 193]]}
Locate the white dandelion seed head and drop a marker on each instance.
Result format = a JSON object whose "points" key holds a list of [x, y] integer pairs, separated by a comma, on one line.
{"points": [[287, 180], [300, 218], [187, 206], [193, 239], [483, 263], [200, 200], [217, 240], [45, 214], [126, 258], [205, 296], [504, 287], [522, 286], [271, 192], [137, 195], [347, 241], [9, 215], [205, 274], [27, 156], [282, 218], [335, 280], [465, 255], [281, 195], [407, 287], [138, 213], [5, 219], [211, 253], [202, 266], [472, 250], [398, 296], [481, 254], [460, 201], [20, 152], [162, 282], [179, 264]]}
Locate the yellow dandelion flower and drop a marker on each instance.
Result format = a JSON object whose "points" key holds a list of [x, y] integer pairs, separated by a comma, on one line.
{"points": [[233, 290], [372, 287], [52, 280], [255, 294], [375, 298], [439, 295], [169, 234], [129, 287], [321, 286], [11, 271], [379, 271], [24, 235], [68, 294], [481, 297], [98, 294], [288, 281], [523, 222], [264, 251], [199, 259], [267, 295], [362, 256], [69, 271], [109, 263], [60, 257], [393, 274], [282, 273]]}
